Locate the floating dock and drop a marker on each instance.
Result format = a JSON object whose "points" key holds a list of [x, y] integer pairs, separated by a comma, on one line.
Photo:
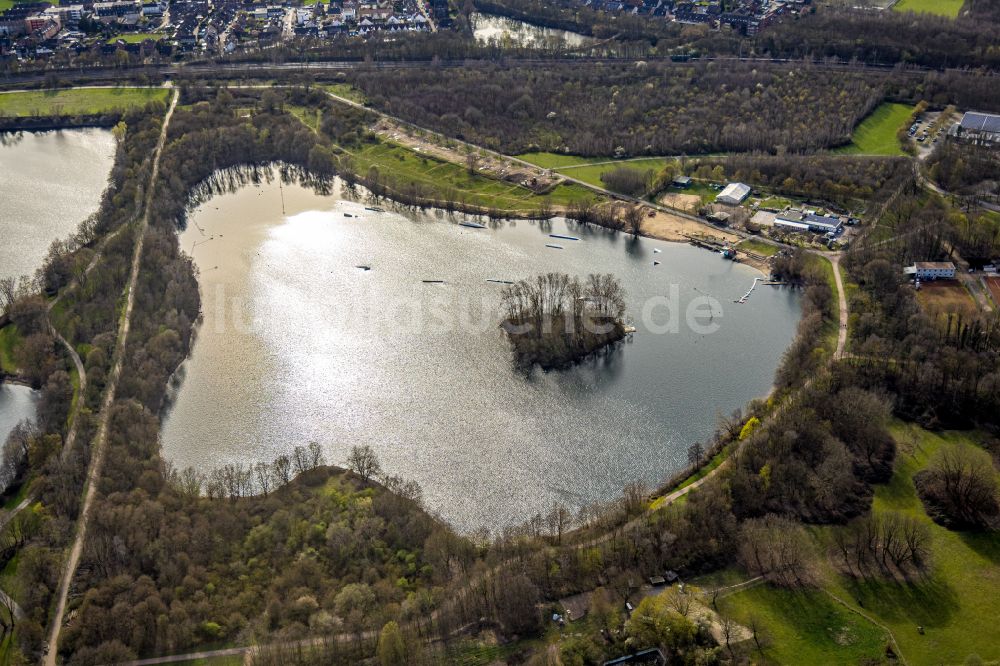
{"points": [[752, 287], [500, 281]]}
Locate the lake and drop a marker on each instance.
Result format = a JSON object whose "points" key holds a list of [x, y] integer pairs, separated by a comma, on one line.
{"points": [[488, 27], [299, 344], [17, 403], [51, 182]]}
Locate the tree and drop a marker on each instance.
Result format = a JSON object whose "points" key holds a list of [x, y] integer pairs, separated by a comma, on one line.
{"points": [[634, 215], [363, 462], [695, 453], [655, 622], [959, 487], [391, 649]]}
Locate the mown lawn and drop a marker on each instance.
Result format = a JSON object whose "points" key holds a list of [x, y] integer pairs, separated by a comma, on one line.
{"points": [[77, 101], [876, 134], [758, 247], [949, 8]]}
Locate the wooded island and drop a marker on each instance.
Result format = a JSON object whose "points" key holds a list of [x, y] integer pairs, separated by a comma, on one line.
{"points": [[555, 320]]}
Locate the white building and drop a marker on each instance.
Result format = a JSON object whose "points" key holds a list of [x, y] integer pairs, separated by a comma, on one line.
{"points": [[932, 270], [734, 194]]}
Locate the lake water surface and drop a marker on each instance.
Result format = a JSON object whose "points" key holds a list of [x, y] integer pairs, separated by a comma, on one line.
{"points": [[298, 344], [17, 403], [51, 182], [487, 28]]}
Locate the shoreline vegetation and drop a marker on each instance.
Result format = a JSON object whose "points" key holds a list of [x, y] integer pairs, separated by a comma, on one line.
{"points": [[555, 320]]}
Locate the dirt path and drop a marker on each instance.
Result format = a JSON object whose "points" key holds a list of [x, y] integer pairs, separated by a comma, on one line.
{"points": [[101, 440], [842, 301]]}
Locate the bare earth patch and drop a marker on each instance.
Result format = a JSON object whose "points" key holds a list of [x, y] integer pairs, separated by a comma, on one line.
{"points": [[946, 297], [689, 203]]}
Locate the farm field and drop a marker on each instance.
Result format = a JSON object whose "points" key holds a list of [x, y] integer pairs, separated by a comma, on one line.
{"points": [[77, 101], [949, 8], [946, 297], [876, 134]]}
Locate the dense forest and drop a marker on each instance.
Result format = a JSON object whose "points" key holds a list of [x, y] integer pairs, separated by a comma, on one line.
{"points": [[630, 109]]}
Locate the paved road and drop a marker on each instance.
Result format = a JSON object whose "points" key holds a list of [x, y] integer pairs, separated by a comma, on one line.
{"points": [[101, 440]]}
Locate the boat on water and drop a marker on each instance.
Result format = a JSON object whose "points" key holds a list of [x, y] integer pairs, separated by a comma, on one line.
{"points": [[363, 267], [348, 215], [433, 281], [472, 225], [554, 247], [656, 250], [573, 238], [374, 209], [656, 263], [500, 281]]}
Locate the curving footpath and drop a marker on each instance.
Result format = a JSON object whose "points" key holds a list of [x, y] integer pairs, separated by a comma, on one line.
{"points": [[101, 440]]}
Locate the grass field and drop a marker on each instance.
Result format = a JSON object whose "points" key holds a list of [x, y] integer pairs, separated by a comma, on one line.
{"points": [[758, 247], [591, 173], [589, 169], [805, 627], [135, 38], [557, 161], [957, 604], [9, 339], [949, 8], [447, 178], [876, 134], [347, 91], [946, 297], [77, 101]]}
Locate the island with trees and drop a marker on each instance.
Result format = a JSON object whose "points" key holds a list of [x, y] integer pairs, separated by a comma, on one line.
{"points": [[555, 320]]}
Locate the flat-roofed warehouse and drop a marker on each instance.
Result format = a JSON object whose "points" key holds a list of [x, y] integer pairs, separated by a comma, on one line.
{"points": [[979, 127]]}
